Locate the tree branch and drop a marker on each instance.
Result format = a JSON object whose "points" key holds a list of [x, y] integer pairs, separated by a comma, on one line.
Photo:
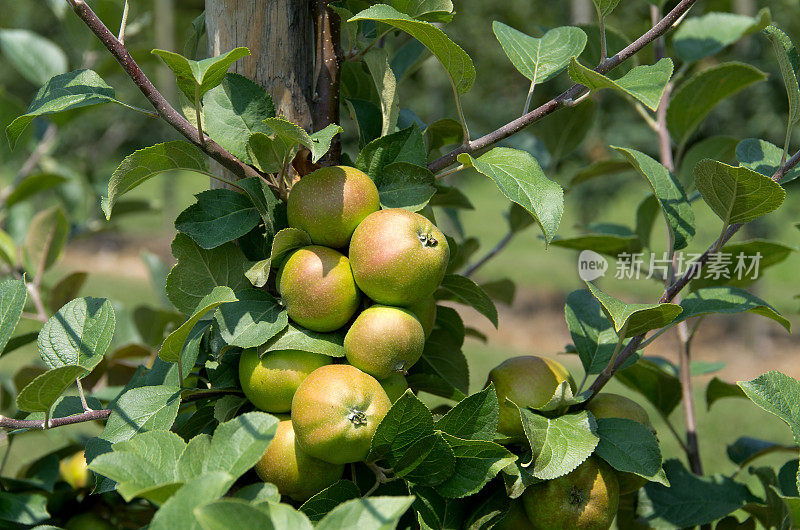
{"points": [[567, 96], [672, 291], [329, 58], [90, 415], [162, 106]]}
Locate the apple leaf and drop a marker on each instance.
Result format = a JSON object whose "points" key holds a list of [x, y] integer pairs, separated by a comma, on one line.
{"points": [[633, 319], [629, 447], [294, 337], [367, 512], [40, 394], [558, 445], [13, 295], [718, 389], [195, 78], [178, 511], [252, 320], [659, 387], [645, 83], [326, 500], [78, 334], [218, 216], [763, 157], [477, 462], [703, 36], [727, 300], [406, 422], [473, 418], [468, 292]]}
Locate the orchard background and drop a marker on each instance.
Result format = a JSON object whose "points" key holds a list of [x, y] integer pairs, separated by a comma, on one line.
{"points": [[56, 235]]}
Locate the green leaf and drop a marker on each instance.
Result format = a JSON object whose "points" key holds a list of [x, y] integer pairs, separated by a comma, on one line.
{"points": [[173, 345], [559, 445], [13, 295], [251, 321], [271, 209], [218, 216], [294, 337], [473, 418], [79, 88], [378, 513], [691, 500], [65, 290], [634, 319], [405, 145], [195, 78], [442, 133], [258, 493], [735, 270], [218, 515], [718, 389], [694, 99], [24, 508], [32, 185], [430, 10], [564, 131], [468, 292], [727, 300], [746, 448], [146, 163], [605, 7], [78, 334], [442, 370], [763, 157], [609, 244], [321, 141], [669, 193], [238, 444], [789, 62], [454, 60], [198, 271], [660, 388], [404, 185], [521, 180], [428, 461], [326, 500], [779, 395], [540, 60], [645, 83], [377, 61], [591, 332], [178, 511], [234, 110], [736, 194], [477, 462], [40, 394], [8, 249], [628, 446], [701, 37], [46, 237], [408, 421], [35, 58], [292, 135]]}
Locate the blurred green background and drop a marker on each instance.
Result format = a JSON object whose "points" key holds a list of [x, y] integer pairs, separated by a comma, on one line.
{"points": [[85, 152]]}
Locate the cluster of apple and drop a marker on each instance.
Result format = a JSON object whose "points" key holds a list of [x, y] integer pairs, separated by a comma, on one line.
{"points": [[587, 497], [372, 270]]}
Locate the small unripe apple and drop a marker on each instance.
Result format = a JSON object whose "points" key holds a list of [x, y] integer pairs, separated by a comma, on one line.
{"points": [[515, 518], [398, 257], [336, 411], [384, 340], [585, 499], [425, 311], [608, 405], [88, 521], [528, 381], [74, 470], [296, 473], [317, 287], [395, 386], [330, 202], [271, 380]]}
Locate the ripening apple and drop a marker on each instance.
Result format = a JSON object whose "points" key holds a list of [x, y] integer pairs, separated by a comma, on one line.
{"points": [[335, 412], [74, 470], [329, 203], [384, 340], [317, 287], [395, 386], [398, 257], [269, 381], [296, 473], [528, 381], [585, 499], [425, 312]]}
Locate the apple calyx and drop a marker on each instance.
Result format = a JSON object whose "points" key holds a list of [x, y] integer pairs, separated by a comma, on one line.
{"points": [[427, 240], [357, 417]]}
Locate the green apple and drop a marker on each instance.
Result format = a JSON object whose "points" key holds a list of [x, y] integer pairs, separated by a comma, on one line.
{"points": [[395, 386], [608, 405], [296, 473], [398, 257], [330, 203], [425, 311], [528, 381], [515, 518], [335, 413], [317, 287], [74, 470], [585, 499], [88, 521], [384, 340], [270, 381]]}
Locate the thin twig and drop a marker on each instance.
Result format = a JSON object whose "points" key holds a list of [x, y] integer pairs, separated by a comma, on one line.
{"points": [[601, 21], [329, 59], [470, 270], [450, 171], [529, 98], [90, 415], [162, 106], [674, 432], [123, 23], [85, 406], [570, 94]]}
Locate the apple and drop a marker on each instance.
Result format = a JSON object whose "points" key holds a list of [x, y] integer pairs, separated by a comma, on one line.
{"points": [[329, 203], [317, 287], [384, 340], [270, 381], [585, 499], [296, 473], [425, 311], [395, 386], [335, 412], [74, 470], [608, 405], [398, 257], [88, 521], [528, 381], [515, 518]]}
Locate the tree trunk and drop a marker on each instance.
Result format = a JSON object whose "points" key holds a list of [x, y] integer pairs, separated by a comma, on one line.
{"points": [[280, 36]]}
